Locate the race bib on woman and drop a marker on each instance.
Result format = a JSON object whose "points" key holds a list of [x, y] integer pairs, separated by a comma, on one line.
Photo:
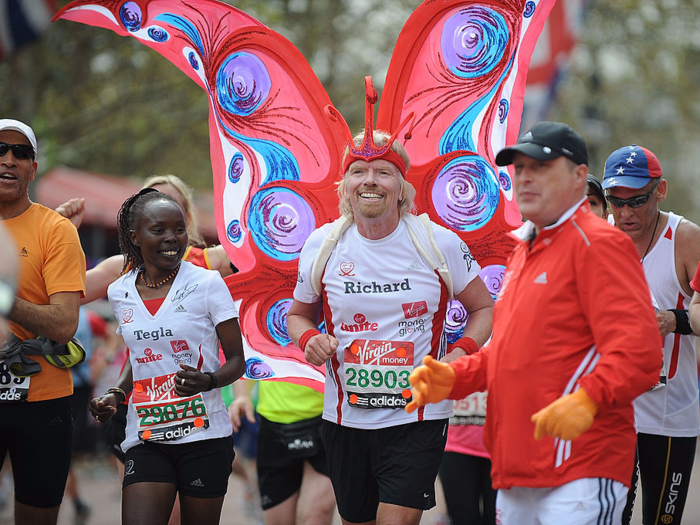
{"points": [[162, 414]]}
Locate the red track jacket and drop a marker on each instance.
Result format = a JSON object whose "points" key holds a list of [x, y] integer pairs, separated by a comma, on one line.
{"points": [[574, 309]]}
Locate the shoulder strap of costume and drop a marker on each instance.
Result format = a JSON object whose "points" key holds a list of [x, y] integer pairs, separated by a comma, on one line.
{"points": [[324, 253], [421, 233]]}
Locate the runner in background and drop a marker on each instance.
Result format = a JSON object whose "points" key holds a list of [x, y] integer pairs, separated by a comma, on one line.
{"points": [[36, 427], [107, 271], [291, 464], [596, 197], [667, 418]]}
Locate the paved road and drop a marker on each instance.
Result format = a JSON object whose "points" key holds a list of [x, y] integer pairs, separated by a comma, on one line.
{"points": [[100, 487]]}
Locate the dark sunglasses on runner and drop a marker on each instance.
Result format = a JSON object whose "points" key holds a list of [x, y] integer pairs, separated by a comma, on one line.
{"points": [[634, 202], [20, 151]]}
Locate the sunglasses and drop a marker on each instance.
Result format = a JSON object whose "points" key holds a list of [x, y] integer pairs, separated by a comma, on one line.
{"points": [[20, 151], [634, 202]]}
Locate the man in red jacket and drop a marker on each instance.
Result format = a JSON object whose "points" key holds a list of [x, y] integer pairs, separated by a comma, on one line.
{"points": [[563, 367]]}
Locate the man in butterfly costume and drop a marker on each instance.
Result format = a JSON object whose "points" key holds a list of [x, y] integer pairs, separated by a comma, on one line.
{"points": [[383, 278]]}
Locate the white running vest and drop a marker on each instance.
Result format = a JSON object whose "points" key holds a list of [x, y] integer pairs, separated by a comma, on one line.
{"points": [[674, 410]]}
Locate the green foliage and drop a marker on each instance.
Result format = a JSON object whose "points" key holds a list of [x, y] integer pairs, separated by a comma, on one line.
{"points": [[634, 80]]}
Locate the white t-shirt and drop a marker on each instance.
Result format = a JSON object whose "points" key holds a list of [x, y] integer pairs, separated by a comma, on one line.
{"points": [[183, 330], [387, 309]]}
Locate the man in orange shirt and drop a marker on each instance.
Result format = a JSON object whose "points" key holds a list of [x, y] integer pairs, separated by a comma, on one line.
{"points": [[36, 424]]}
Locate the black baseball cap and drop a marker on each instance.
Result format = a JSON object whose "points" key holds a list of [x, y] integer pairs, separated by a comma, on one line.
{"points": [[547, 141], [595, 187]]}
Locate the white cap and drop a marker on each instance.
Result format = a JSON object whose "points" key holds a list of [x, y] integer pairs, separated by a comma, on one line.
{"points": [[16, 125]]}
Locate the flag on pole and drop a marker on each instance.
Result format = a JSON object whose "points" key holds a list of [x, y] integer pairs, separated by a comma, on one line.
{"points": [[551, 58], [22, 21]]}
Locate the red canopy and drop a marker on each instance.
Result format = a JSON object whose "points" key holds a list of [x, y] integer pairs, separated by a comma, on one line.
{"points": [[104, 195]]}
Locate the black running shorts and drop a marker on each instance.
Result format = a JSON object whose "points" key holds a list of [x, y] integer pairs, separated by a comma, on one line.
{"points": [[279, 472], [200, 469], [39, 439], [396, 465]]}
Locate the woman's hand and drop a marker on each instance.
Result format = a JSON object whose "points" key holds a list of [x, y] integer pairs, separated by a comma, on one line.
{"points": [[104, 407], [190, 381]]}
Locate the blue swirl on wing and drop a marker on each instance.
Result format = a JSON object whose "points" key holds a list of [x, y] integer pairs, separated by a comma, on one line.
{"points": [[503, 108], [233, 231], [243, 84], [455, 320], [504, 180], [235, 168], [131, 16], [256, 368], [529, 9], [280, 221], [277, 322], [458, 137], [281, 164], [465, 193], [473, 41], [192, 58], [186, 27], [158, 34]]}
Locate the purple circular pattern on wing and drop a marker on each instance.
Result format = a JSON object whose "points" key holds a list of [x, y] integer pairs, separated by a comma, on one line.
{"points": [[242, 83], [455, 319], [233, 231], [503, 108], [465, 193], [493, 278], [131, 16], [504, 180], [235, 168], [277, 322], [194, 62], [473, 41], [256, 368], [280, 221], [529, 9], [158, 34]]}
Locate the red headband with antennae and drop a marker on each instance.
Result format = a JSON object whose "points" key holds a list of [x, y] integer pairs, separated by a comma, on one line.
{"points": [[368, 150]]}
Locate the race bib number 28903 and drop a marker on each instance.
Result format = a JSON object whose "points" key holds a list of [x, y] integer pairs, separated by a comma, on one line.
{"points": [[376, 373]]}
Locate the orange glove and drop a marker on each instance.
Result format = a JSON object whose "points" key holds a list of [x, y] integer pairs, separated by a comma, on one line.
{"points": [[431, 383], [566, 418]]}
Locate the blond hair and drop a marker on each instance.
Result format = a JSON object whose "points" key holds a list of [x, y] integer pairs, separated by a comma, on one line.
{"points": [[406, 204], [187, 197]]}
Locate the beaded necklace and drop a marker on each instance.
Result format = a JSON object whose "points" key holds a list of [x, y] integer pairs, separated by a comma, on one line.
{"points": [[170, 277]]}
